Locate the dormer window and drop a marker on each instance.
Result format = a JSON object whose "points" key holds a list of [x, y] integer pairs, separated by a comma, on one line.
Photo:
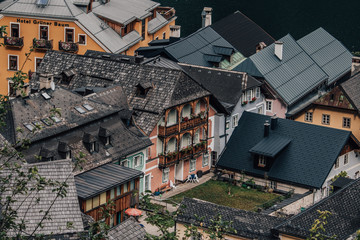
{"points": [[90, 143], [46, 154], [64, 150], [262, 161], [105, 136], [142, 89]]}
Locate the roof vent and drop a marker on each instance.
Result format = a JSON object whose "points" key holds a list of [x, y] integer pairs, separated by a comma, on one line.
{"points": [[279, 50]]}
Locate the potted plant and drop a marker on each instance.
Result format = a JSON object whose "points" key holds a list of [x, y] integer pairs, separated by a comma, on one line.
{"points": [[185, 119], [253, 99], [244, 103]]}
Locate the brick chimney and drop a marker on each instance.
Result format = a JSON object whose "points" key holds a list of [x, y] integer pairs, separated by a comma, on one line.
{"points": [[206, 16], [279, 50]]}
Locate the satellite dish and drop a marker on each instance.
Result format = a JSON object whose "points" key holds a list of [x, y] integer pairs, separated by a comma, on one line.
{"points": [[52, 86]]}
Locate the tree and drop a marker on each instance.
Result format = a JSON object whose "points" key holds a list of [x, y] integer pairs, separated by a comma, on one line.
{"points": [[317, 230]]}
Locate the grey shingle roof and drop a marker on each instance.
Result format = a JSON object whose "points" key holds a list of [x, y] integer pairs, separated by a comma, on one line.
{"points": [[130, 229], [63, 211], [306, 64], [103, 178], [156, 23], [344, 220], [305, 162], [351, 88], [248, 224], [171, 87], [270, 146], [242, 33]]}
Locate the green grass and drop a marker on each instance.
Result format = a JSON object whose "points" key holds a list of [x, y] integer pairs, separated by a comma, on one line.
{"points": [[217, 192]]}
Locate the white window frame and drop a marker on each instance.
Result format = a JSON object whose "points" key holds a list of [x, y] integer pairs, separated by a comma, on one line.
{"points": [[81, 34], [17, 57], [227, 124], [248, 95], [125, 160], [346, 122], [308, 117], [204, 161], [48, 30], [257, 92], [267, 104], [65, 33], [261, 107], [192, 165], [9, 82], [165, 175], [36, 58], [262, 161], [337, 163], [346, 158], [149, 177], [11, 28], [235, 120], [325, 119], [139, 157]]}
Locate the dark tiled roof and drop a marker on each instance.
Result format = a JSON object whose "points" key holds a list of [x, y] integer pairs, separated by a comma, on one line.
{"points": [[242, 33], [64, 210], [162, 62], [341, 182], [270, 146], [334, 98], [351, 88], [225, 85], [171, 87], [247, 224], [306, 161], [344, 220], [130, 229], [103, 178]]}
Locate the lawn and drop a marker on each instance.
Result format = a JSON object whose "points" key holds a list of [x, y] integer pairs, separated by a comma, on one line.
{"points": [[218, 192]]}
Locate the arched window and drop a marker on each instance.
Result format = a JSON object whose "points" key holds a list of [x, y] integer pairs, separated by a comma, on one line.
{"points": [[185, 140], [172, 145], [186, 112], [172, 117], [197, 136]]}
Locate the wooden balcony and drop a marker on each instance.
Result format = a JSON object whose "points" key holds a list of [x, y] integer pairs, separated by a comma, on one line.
{"points": [[14, 42], [184, 125], [68, 47], [167, 161], [42, 44]]}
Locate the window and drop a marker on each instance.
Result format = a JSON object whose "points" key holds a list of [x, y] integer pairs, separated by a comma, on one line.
{"points": [[260, 110], [227, 125], [262, 161], [337, 163], [164, 35], [15, 30], [143, 28], [11, 90], [44, 32], [308, 117], [273, 184], [214, 157], [257, 92], [269, 106], [248, 95], [68, 155], [82, 39], [125, 163], [205, 160], [192, 165], [346, 159], [235, 119], [137, 161], [132, 185], [157, 38], [147, 183], [197, 136], [325, 119], [346, 122], [165, 175], [125, 187], [69, 35], [37, 63], [112, 193], [118, 191], [13, 63]]}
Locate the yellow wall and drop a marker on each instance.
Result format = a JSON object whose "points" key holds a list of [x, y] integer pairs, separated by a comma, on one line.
{"points": [[30, 30], [336, 119]]}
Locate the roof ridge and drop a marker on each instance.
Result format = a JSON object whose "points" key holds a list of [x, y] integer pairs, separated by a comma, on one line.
{"points": [[60, 161]]}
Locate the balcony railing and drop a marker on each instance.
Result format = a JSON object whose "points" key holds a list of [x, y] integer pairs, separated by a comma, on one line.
{"points": [[185, 154], [68, 47], [42, 44], [14, 42], [166, 12], [184, 125]]}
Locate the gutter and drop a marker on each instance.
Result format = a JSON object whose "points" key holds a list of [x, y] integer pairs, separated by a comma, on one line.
{"points": [[45, 16]]}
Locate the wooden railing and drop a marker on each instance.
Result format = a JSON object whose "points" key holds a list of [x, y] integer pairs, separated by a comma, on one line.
{"points": [[184, 125], [14, 42], [68, 47]]}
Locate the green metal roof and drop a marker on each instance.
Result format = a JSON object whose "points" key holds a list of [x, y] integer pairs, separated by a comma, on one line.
{"points": [[270, 146]]}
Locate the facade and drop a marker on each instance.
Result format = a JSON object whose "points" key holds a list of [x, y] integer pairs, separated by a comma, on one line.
{"points": [[297, 72], [109, 182], [117, 26], [288, 155]]}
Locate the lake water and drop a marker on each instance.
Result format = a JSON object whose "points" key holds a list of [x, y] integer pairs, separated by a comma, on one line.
{"points": [[341, 18]]}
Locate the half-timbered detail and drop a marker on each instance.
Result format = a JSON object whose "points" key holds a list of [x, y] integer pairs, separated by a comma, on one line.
{"points": [[110, 182]]}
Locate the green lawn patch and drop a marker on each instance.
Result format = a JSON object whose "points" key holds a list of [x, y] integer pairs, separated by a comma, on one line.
{"points": [[218, 192]]}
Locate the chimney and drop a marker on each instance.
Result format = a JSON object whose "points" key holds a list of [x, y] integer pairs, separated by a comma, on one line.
{"points": [[206, 16], [266, 128], [279, 50], [46, 80], [175, 31], [355, 66], [274, 120]]}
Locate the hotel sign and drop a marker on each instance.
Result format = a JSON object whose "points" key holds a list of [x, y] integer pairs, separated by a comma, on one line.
{"points": [[56, 24]]}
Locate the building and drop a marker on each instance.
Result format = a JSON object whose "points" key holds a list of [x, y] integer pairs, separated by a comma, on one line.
{"points": [[343, 222], [128, 230], [118, 26], [248, 225], [297, 72], [109, 182], [287, 155], [169, 107], [204, 47]]}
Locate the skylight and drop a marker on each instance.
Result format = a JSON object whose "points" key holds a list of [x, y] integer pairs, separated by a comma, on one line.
{"points": [[29, 126], [37, 124], [47, 121], [80, 110], [55, 119], [88, 107], [42, 2], [46, 96]]}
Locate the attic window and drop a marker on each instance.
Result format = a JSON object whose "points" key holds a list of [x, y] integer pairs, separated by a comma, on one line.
{"points": [[46, 121], [45, 96], [55, 119], [88, 107], [262, 161], [142, 89], [80, 110], [29, 127]]}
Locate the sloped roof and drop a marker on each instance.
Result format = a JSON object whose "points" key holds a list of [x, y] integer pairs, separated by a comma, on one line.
{"points": [[334, 98], [224, 84], [156, 23], [64, 210], [344, 220], [351, 88], [270, 146], [242, 33], [171, 87], [103, 178], [305, 162], [307, 63], [248, 224], [130, 229]]}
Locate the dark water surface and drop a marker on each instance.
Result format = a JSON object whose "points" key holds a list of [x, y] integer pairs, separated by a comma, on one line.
{"points": [[279, 17]]}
